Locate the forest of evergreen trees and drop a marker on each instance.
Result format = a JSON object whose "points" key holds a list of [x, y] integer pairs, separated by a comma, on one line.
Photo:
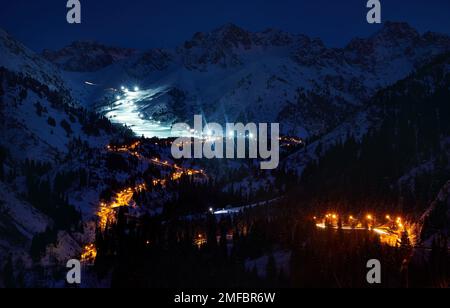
{"points": [[156, 252]]}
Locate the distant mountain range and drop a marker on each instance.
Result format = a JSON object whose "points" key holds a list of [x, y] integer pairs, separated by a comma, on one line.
{"points": [[271, 76]]}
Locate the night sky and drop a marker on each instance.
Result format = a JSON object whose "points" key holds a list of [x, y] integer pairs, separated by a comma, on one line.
{"points": [[166, 23]]}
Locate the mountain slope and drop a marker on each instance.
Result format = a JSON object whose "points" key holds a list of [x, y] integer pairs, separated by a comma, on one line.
{"points": [[19, 59], [400, 161], [231, 74], [46, 138]]}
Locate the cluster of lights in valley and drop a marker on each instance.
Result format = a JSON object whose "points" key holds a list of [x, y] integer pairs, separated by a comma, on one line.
{"points": [[390, 231], [127, 91]]}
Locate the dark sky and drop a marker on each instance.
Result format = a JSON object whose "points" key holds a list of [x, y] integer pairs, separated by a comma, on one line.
{"points": [[165, 23]]}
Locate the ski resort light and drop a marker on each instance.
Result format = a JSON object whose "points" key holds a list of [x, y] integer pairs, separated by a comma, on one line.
{"points": [[136, 89], [118, 97], [122, 88], [126, 90]]}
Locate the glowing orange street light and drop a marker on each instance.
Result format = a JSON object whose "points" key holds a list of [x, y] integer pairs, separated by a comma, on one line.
{"points": [[369, 217]]}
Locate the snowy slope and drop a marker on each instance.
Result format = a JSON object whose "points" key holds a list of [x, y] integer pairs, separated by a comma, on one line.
{"points": [[231, 74], [40, 121], [15, 57], [18, 216], [37, 122]]}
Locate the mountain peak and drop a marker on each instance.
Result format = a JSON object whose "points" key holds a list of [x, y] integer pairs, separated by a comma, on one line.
{"points": [[393, 31], [229, 28], [391, 35], [86, 43], [225, 37], [85, 56], [232, 34]]}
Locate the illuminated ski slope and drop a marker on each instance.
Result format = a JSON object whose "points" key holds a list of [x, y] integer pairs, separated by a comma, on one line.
{"points": [[127, 109]]}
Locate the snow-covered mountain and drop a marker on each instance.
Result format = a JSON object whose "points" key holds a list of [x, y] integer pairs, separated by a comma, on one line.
{"points": [[231, 74], [17, 58], [43, 133]]}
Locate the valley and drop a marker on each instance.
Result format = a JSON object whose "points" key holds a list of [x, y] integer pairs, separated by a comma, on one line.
{"points": [[86, 169]]}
